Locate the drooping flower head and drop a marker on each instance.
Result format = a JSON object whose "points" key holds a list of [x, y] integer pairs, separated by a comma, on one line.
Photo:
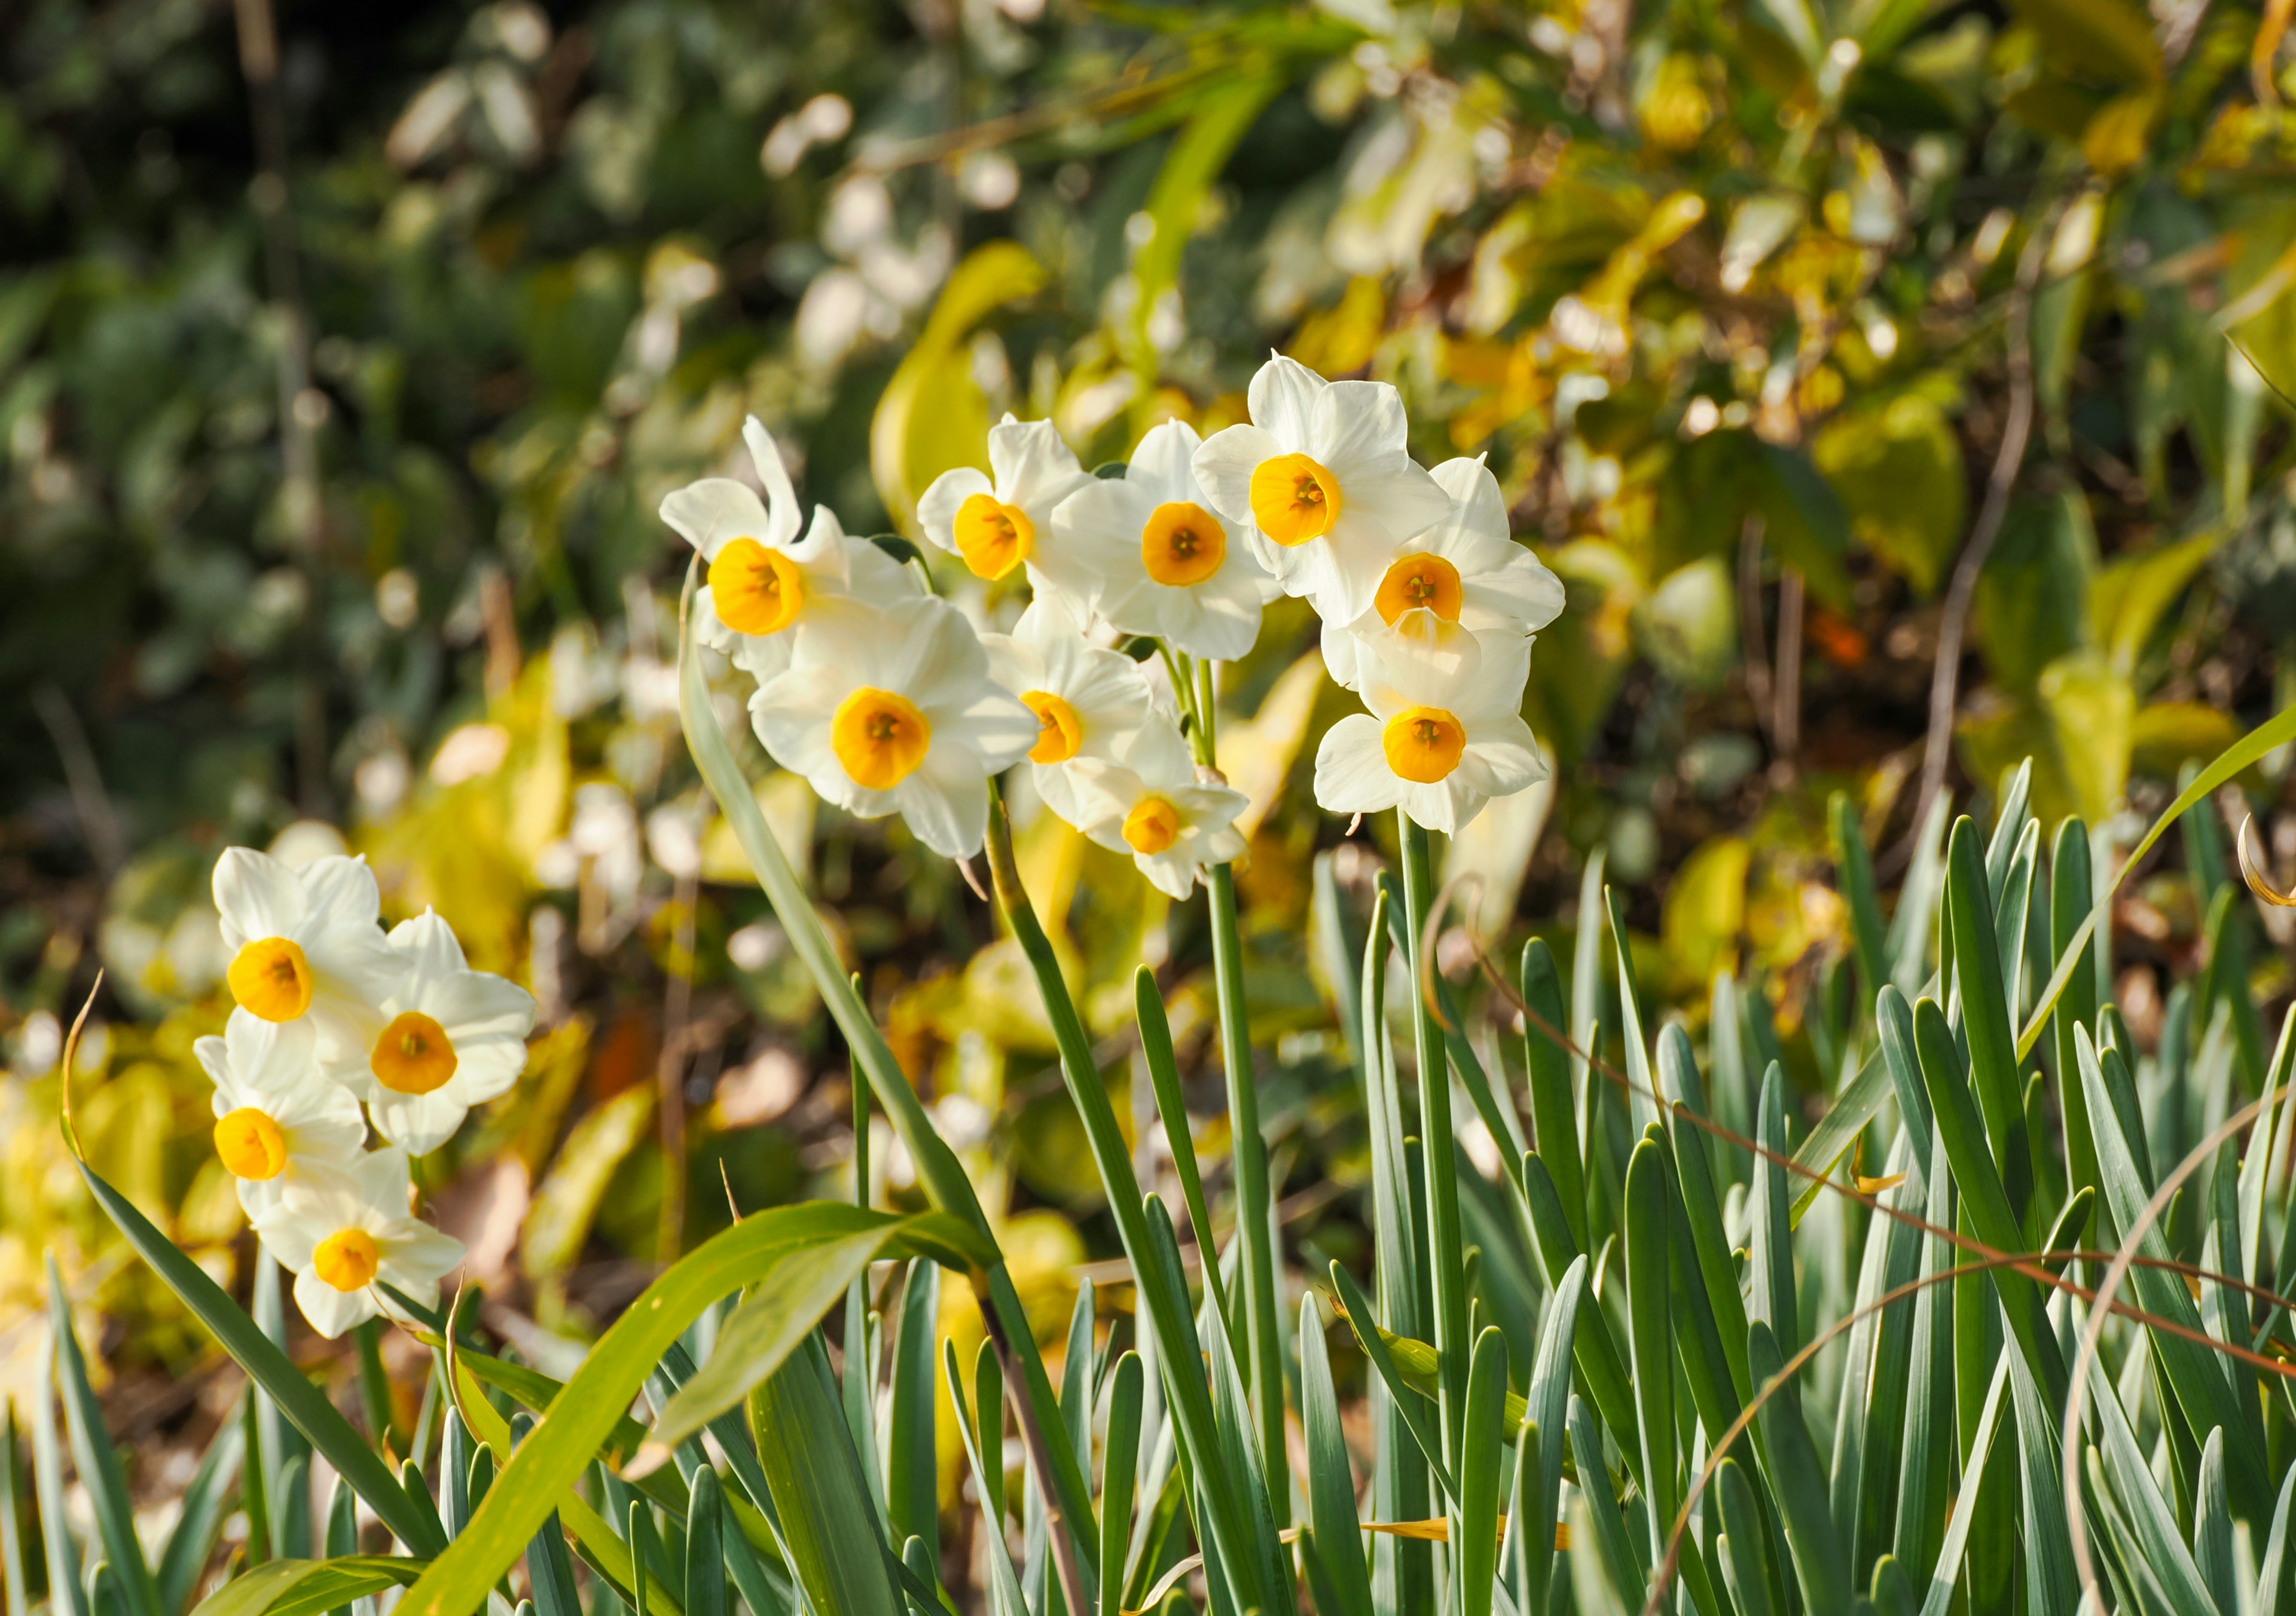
{"points": [[1004, 523], [449, 1037], [1168, 563], [1466, 569], [899, 715], [1089, 703], [305, 942], [342, 1233], [1323, 475], [1172, 824], [1444, 732], [765, 580], [278, 1118]]}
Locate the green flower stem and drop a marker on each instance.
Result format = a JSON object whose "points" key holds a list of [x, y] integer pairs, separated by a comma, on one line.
{"points": [[1253, 1224], [1444, 1248], [938, 1168]]}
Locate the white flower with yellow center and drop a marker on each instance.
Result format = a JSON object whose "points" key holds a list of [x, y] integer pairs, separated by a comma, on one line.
{"points": [[1170, 565], [346, 1232], [1466, 570], [1323, 475], [899, 715], [1171, 823], [1445, 734], [1089, 703], [277, 1118], [1001, 524], [305, 942], [765, 580], [449, 1038]]}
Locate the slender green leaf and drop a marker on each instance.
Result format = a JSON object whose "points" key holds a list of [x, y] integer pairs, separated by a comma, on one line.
{"points": [[1946, 1574], [827, 1519], [1172, 1110], [1120, 1472], [1984, 994], [1771, 1237], [302, 1403], [1854, 873], [1334, 1526], [2069, 883], [1004, 1596], [1797, 1480], [2212, 1527], [2272, 1580], [1552, 1116], [1621, 1553], [1411, 1404], [1544, 1433], [1650, 1332], [1482, 1449], [705, 1552], [14, 1585], [1744, 1546], [911, 1474], [205, 1503]]}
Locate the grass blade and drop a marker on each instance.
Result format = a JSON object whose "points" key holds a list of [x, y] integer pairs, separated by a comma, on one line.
{"points": [[1854, 873], [206, 1501], [1744, 1546], [1004, 1596], [1771, 1299], [1553, 1118], [1622, 1556], [1171, 1108], [2272, 1580], [827, 1519], [1650, 1332], [96, 1459], [1544, 1433], [1945, 1576], [1971, 928], [705, 1549], [1120, 1472]]}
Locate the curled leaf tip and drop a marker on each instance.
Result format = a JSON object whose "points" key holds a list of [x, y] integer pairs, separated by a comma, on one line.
{"points": [[2250, 846], [70, 1061]]}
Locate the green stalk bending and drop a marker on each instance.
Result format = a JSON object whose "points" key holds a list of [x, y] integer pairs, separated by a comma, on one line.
{"points": [[938, 1168]]}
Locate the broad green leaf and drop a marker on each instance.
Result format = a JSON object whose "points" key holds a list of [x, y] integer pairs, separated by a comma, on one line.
{"points": [[1744, 1545], [705, 1554], [828, 1520], [307, 1587], [1797, 1480], [1480, 1499], [752, 1252], [304, 1405]]}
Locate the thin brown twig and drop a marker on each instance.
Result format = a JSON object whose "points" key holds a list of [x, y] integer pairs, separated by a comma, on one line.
{"points": [[1961, 594]]}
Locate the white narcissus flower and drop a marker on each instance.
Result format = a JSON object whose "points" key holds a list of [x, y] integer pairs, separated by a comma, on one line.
{"points": [[278, 1116], [449, 1038], [1467, 569], [899, 715], [343, 1232], [1168, 565], [1000, 523], [1445, 734], [305, 941], [764, 579], [1089, 703], [1323, 475], [1172, 824]]}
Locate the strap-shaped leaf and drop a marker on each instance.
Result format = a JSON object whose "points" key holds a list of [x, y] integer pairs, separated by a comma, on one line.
{"points": [[1411, 1404], [306, 1588], [1544, 1434], [757, 1251], [2272, 1580], [1744, 1544], [1333, 1527], [1553, 1118], [1797, 1480], [1984, 994], [1650, 1331], [96, 1459], [827, 1518], [304, 1405], [1854, 872], [1004, 1597], [1481, 1447], [1622, 1555], [912, 1477]]}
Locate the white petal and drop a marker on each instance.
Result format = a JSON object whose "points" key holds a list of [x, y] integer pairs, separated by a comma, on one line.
{"points": [[341, 891], [1521, 595], [1356, 421], [1035, 469], [945, 810], [1479, 506], [1393, 493], [1283, 399], [1339, 645], [256, 897], [1224, 464], [710, 513], [1172, 871], [1352, 772], [477, 1004], [783, 510], [330, 1311], [936, 510], [415, 1257], [274, 1057], [1163, 466], [418, 1124]]}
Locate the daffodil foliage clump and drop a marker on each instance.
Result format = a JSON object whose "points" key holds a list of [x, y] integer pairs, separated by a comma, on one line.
{"points": [[1999, 1326]]}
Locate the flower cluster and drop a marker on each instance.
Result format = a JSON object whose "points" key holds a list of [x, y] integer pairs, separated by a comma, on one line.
{"points": [[331, 1011], [887, 698]]}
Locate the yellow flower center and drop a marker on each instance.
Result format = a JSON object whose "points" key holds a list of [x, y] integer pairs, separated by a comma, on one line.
{"points": [[251, 1144], [346, 1259], [414, 1055], [1293, 499], [757, 590], [1422, 744], [1152, 825], [1183, 544], [270, 978], [1061, 730], [879, 737], [993, 537], [1419, 583]]}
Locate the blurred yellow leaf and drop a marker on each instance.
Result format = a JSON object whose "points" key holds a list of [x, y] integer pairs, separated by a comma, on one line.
{"points": [[566, 1205], [2166, 735], [1257, 754], [1705, 909]]}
